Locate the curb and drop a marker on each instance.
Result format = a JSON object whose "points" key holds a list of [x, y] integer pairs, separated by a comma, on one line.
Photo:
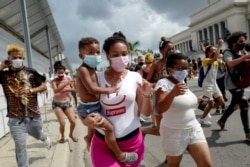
{"points": [[62, 151]]}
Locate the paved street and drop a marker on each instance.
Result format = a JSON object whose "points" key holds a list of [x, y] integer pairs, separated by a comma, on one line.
{"points": [[228, 147]]}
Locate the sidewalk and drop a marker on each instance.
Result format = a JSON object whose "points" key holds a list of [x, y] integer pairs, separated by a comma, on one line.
{"points": [[64, 155]]}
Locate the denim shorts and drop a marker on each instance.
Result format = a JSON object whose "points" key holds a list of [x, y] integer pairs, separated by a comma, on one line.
{"points": [[63, 106], [84, 109]]}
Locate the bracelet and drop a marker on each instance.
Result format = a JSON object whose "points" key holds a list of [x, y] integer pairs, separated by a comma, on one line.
{"points": [[147, 96]]}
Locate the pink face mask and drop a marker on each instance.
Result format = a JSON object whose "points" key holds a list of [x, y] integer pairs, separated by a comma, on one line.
{"points": [[119, 63]]}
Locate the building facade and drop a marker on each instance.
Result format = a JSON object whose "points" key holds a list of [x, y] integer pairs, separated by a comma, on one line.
{"points": [[218, 19]]}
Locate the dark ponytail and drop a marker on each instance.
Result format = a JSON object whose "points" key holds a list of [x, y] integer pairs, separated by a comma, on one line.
{"points": [[163, 42], [116, 37]]}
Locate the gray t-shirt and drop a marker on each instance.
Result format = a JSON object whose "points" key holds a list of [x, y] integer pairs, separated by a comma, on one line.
{"points": [[228, 56]]}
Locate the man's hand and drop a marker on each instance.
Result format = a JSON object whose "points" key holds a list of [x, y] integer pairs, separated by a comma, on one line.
{"points": [[5, 64], [220, 42]]}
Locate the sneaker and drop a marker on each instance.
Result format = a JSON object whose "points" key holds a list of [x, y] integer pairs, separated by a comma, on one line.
{"points": [[205, 122], [130, 158], [221, 124], [248, 137], [208, 116], [47, 143], [142, 119]]}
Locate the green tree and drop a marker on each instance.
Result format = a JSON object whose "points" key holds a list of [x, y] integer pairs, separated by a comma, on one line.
{"points": [[133, 49]]}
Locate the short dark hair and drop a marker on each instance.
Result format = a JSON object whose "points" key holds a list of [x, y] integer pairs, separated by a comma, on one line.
{"points": [[173, 57], [58, 66], [87, 41], [234, 37]]}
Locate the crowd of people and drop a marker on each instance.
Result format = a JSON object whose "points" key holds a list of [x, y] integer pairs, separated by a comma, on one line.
{"points": [[106, 100]]}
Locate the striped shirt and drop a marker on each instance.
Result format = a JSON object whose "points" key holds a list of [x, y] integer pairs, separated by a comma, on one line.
{"points": [[27, 104]]}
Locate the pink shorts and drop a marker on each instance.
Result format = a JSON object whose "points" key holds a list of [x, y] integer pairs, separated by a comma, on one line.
{"points": [[102, 156]]}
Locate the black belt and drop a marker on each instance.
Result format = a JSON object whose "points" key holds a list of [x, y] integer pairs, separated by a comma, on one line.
{"points": [[128, 136]]}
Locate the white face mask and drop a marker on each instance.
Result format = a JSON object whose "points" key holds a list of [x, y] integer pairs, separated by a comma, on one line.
{"points": [[17, 63], [180, 75]]}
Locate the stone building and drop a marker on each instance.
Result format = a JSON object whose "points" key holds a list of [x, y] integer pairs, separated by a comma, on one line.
{"points": [[216, 20]]}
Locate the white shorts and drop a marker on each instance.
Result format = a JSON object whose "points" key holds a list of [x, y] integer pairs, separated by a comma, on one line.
{"points": [[211, 92], [176, 141]]}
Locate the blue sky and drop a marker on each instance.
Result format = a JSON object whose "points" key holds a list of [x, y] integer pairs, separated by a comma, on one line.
{"points": [[140, 20]]}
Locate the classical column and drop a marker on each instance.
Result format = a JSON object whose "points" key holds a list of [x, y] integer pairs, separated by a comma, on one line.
{"points": [[221, 34], [215, 38]]}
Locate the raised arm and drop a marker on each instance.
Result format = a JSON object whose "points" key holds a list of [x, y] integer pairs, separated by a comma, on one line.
{"points": [[202, 47], [217, 52], [151, 72]]}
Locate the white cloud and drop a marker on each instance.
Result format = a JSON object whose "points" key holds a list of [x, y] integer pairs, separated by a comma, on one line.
{"points": [[140, 20]]}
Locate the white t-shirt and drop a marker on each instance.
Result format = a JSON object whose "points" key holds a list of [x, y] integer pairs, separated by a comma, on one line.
{"points": [[181, 114], [210, 79], [119, 108]]}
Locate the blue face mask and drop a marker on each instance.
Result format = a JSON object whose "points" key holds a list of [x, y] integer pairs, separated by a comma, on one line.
{"points": [[92, 61], [180, 75]]}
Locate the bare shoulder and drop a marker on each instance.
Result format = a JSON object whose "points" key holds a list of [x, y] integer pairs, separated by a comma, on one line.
{"points": [[85, 71]]}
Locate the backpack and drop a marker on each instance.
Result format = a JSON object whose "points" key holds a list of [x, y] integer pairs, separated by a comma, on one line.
{"points": [[241, 73], [202, 75]]}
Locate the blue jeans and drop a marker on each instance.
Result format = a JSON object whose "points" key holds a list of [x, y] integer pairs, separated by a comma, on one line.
{"points": [[19, 130]]}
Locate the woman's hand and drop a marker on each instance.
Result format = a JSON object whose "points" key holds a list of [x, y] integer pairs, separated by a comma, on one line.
{"points": [[179, 89], [145, 87], [93, 120]]}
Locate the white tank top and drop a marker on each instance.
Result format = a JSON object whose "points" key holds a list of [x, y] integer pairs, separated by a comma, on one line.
{"points": [[119, 108]]}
